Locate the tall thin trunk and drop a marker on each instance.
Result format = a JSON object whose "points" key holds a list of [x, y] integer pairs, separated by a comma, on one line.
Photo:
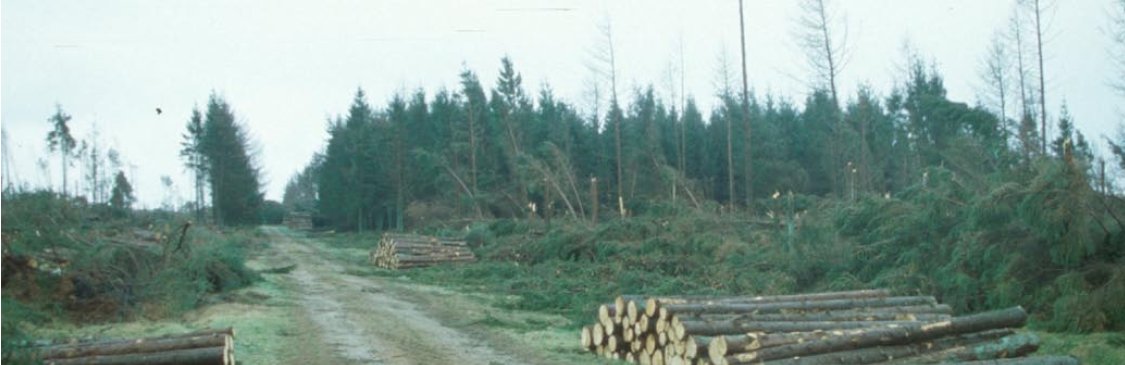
{"points": [[62, 159], [745, 115], [683, 109], [472, 147], [616, 126], [1017, 31], [1042, 79]]}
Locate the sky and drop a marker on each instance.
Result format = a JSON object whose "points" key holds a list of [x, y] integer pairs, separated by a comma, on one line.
{"points": [[287, 66]]}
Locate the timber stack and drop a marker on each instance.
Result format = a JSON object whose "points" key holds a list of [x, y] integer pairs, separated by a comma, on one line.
{"points": [[851, 327], [208, 347], [403, 251], [298, 221]]}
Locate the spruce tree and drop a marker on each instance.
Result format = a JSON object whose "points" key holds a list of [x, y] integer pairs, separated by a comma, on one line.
{"points": [[236, 193], [121, 199]]}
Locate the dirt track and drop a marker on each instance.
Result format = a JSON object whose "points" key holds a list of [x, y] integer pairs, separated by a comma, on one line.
{"points": [[363, 320]]}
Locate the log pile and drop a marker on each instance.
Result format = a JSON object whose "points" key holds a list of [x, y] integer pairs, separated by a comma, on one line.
{"points": [[403, 251], [852, 327], [298, 221], [209, 347]]}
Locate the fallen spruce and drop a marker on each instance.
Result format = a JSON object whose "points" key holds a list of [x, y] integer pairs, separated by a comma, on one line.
{"points": [[849, 327]]}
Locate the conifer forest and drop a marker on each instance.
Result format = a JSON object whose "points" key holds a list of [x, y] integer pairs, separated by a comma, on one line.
{"points": [[494, 217]]}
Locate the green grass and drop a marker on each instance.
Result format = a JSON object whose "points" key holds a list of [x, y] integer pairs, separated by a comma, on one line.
{"points": [[1093, 349]]}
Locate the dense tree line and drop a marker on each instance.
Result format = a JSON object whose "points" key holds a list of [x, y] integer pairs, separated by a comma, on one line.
{"points": [[504, 153], [217, 149], [925, 193]]}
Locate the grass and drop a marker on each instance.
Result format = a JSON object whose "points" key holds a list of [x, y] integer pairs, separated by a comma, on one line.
{"points": [[1105, 348], [569, 269]]}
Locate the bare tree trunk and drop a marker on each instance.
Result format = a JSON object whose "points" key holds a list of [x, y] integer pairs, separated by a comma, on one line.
{"points": [[825, 57], [1042, 78], [746, 116], [472, 148]]}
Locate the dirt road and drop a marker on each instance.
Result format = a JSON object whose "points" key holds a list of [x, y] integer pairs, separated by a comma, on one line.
{"points": [[335, 308], [362, 320]]}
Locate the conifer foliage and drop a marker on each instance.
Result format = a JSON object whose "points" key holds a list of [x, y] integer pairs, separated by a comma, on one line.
{"points": [[231, 170]]}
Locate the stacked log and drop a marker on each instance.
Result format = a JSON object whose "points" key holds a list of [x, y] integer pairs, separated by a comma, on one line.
{"points": [[851, 327], [403, 251], [209, 347], [298, 221]]}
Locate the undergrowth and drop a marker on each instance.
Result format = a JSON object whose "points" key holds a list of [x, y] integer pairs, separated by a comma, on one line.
{"points": [[65, 260], [974, 245]]}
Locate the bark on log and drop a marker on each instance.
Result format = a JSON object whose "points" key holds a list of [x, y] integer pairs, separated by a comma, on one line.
{"points": [[912, 353], [853, 316], [721, 346], [1013, 317], [853, 294], [1010, 346], [1038, 360], [775, 307], [735, 327], [141, 345], [198, 356]]}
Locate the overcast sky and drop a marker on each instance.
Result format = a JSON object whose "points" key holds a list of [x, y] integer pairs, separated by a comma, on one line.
{"points": [[286, 66]]}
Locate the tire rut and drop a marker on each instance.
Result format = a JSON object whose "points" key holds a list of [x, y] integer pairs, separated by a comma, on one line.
{"points": [[364, 324]]}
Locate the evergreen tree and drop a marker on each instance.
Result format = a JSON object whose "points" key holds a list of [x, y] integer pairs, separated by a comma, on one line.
{"points": [[235, 189], [300, 191], [352, 181], [121, 197], [194, 159]]}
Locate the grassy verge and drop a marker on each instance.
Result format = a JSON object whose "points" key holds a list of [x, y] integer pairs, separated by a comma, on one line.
{"points": [[1093, 349], [71, 265], [568, 269]]}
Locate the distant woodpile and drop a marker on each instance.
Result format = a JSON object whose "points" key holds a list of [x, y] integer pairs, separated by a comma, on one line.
{"points": [[403, 251], [203, 348], [853, 327], [298, 221]]}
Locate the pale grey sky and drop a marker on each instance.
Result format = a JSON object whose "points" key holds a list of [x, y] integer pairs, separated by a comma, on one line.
{"points": [[286, 65]]}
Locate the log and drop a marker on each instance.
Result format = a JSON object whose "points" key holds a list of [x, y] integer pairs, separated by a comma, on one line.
{"points": [[853, 294], [197, 356], [633, 311], [910, 353], [597, 334], [606, 312], [1010, 346], [721, 346], [403, 259], [658, 358], [737, 326], [585, 339], [80, 341], [1038, 360], [774, 307], [689, 347], [650, 344], [823, 316], [141, 345], [1012, 317]]}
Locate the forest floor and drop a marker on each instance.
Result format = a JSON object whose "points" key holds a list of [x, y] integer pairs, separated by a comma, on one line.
{"points": [[335, 308]]}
